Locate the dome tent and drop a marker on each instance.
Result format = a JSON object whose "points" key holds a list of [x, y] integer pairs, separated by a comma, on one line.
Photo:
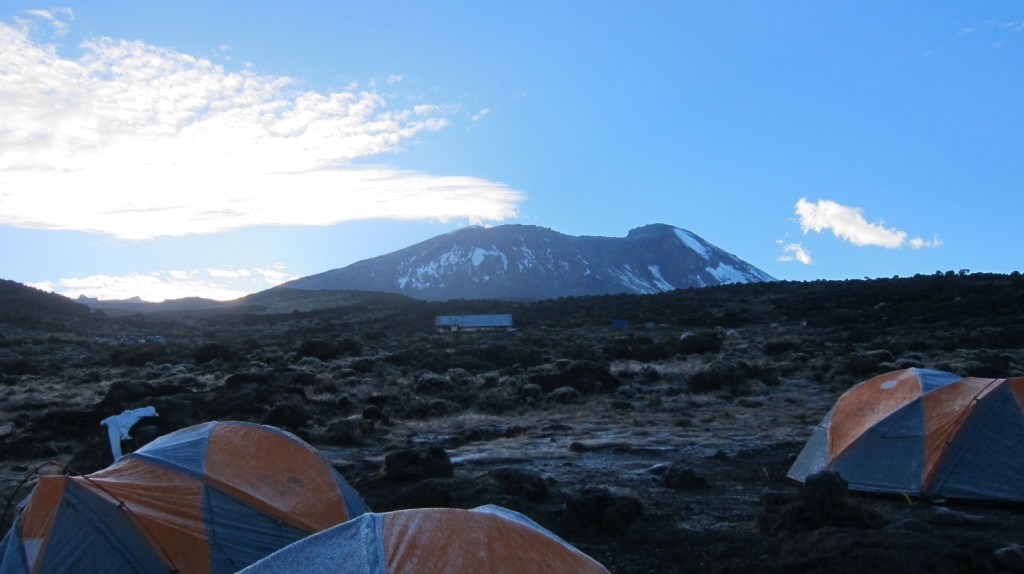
{"points": [[484, 539], [924, 433], [214, 497]]}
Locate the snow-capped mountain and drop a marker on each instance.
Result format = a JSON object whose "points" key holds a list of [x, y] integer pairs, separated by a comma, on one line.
{"points": [[530, 262]]}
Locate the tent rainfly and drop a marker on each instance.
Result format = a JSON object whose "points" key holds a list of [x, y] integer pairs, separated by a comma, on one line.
{"points": [[924, 433], [214, 498], [485, 539]]}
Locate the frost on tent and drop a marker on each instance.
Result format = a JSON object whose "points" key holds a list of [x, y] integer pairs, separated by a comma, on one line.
{"points": [[119, 425]]}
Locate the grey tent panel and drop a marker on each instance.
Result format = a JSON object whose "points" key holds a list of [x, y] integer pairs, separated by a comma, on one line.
{"points": [[889, 456], [985, 460], [353, 547], [814, 457]]}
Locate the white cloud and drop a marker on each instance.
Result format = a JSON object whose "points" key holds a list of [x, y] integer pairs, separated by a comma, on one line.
{"points": [[919, 243], [481, 114], [394, 79], [138, 142], [795, 252], [849, 224], [275, 274], [229, 273], [218, 284], [56, 18]]}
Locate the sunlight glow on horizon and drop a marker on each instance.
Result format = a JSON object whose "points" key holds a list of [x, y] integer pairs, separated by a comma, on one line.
{"points": [[159, 286]]}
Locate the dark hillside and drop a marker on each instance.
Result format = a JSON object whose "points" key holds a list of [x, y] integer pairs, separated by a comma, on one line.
{"points": [[31, 308], [682, 419]]}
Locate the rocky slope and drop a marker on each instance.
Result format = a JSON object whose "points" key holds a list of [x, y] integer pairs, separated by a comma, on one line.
{"points": [[660, 448]]}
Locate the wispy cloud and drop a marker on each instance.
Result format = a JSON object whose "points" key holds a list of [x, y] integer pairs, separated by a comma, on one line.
{"points": [[848, 223], [139, 141], [795, 252], [218, 284], [997, 33], [55, 18], [481, 114]]}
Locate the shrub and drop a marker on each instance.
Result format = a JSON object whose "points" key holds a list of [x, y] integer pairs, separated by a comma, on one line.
{"points": [[212, 352], [136, 355], [323, 350], [736, 377], [777, 347], [700, 343], [20, 366]]}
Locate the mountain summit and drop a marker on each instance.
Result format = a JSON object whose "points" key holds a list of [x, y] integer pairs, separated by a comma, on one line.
{"points": [[530, 262]]}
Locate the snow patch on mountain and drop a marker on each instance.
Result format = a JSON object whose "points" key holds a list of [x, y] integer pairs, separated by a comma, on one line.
{"points": [[480, 254], [660, 281], [633, 280], [693, 243], [728, 274], [526, 258]]}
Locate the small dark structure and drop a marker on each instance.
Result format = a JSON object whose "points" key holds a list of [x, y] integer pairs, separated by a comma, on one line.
{"points": [[453, 323]]}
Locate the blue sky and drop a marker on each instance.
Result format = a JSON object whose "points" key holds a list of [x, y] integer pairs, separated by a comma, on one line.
{"points": [[217, 149]]}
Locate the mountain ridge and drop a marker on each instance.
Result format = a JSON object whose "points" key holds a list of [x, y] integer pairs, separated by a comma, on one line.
{"points": [[531, 262]]}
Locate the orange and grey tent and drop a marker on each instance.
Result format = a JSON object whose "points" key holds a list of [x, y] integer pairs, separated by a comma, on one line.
{"points": [[924, 433], [485, 539], [214, 497]]}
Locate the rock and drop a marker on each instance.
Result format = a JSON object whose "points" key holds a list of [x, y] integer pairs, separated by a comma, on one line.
{"points": [[374, 413], [288, 415], [824, 491], [417, 464], [176, 411], [947, 516], [912, 525], [461, 492], [564, 395], [250, 378], [122, 395], [691, 343], [586, 377], [516, 482], [345, 432], [530, 391], [487, 433], [596, 509], [682, 478], [772, 499], [1011, 558], [823, 503], [432, 384]]}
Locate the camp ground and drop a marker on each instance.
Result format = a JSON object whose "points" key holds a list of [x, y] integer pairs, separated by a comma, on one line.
{"points": [[924, 433], [485, 539], [211, 498]]}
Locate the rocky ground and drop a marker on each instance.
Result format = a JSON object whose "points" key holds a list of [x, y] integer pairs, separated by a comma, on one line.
{"points": [[662, 447]]}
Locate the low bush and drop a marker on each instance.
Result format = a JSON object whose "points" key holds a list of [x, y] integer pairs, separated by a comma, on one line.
{"points": [[136, 355], [212, 352], [699, 343]]}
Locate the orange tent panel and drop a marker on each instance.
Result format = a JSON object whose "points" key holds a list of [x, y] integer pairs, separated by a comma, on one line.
{"points": [[866, 405], [41, 512], [166, 505], [449, 540], [1017, 388], [285, 482]]}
